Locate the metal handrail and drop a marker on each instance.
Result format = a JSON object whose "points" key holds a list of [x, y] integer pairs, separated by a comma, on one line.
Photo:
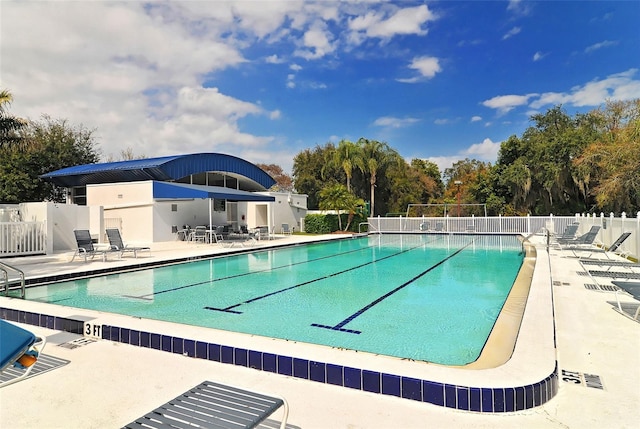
{"points": [[371, 227], [5, 268]]}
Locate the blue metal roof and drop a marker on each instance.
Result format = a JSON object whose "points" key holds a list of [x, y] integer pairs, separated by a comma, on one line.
{"points": [[167, 168], [166, 190]]}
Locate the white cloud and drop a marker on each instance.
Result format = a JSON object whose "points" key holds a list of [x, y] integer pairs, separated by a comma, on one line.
{"points": [[538, 56], [273, 59], [131, 73], [506, 103], [619, 86], [392, 122], [316, 42], [487, 151], [442, 121], [428, 67], [384, 25], [291, 81], [295, 67], [275, 114], [511, 33], [476, 118], [519, 7], [596, 46], [444, 162]]}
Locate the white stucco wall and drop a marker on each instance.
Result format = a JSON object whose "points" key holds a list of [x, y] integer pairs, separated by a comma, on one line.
{"points": [[144, 220], [61, 220], [287, 208]]}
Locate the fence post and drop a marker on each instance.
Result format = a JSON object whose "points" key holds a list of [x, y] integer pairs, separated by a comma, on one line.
{"points": [[637, 237], [528, 224]]}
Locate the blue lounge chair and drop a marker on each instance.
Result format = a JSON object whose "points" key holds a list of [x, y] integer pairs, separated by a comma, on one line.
{"points": [[116, 244], [19, 348]]}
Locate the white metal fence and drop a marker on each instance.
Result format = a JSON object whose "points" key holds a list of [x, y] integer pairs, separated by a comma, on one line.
{"points": [[30, 238], [23, 238], [611, 227]]}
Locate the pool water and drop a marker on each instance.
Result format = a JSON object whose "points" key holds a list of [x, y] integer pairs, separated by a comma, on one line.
{"points": [[423, 297]]}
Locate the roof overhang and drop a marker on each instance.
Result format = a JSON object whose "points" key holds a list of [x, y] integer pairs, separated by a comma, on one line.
{"points": [[166, 169], [178, 191]]}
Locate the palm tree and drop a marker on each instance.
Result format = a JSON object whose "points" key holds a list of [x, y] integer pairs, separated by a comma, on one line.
{"points": [[9, 125], [346, 156], [336, 197], [332, 197], [376, 156]]}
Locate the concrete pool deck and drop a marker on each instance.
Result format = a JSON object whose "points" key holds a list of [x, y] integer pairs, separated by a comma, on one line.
{"points": [[108, 384]]}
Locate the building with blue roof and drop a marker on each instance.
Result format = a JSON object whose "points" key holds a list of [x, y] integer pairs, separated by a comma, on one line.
{"points": [[151, 199]]}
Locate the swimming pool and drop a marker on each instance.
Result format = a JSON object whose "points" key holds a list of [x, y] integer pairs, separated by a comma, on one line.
{"points": [[433, 298]]}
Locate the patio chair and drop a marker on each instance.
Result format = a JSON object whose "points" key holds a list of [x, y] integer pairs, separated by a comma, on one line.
{"points": [[569, 233], [85, 246], [285, 229], [615, 247], [631, 288], [199, 234], [20, 348], [609, 264], [216, 405], [585, 240], [116, 244], [627, 275], [253, 235], [439, 227]]}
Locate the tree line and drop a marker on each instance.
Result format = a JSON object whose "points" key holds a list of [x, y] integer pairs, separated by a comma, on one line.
{"points": [[561, 164]]}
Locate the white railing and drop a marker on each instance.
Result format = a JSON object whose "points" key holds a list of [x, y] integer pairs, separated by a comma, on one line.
{"points": [[22, 238], [611, 227]]}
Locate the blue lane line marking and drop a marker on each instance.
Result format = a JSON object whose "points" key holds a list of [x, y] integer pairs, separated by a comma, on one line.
{"points": [[226, 309], [248, 273], [339, 326]]}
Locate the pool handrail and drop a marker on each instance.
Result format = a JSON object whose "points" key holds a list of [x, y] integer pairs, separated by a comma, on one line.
{"points": [[371, 227], [5, 268]]}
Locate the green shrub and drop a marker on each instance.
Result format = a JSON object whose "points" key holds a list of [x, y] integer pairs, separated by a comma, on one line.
{"points": [[326, 224]]}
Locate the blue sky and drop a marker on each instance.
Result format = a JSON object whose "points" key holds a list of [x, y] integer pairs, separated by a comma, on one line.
{"points": [[264, 80]]}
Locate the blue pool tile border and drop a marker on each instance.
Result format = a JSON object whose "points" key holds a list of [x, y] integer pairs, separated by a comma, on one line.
{"points": [[474, 399], [43, 320]]}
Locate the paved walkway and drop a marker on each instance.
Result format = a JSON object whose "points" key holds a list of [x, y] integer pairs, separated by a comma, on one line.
{"points": [[107, 384]]}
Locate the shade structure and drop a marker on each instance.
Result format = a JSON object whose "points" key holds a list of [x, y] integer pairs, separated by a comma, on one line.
{"points": [[177, 191], [167, 168]]}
